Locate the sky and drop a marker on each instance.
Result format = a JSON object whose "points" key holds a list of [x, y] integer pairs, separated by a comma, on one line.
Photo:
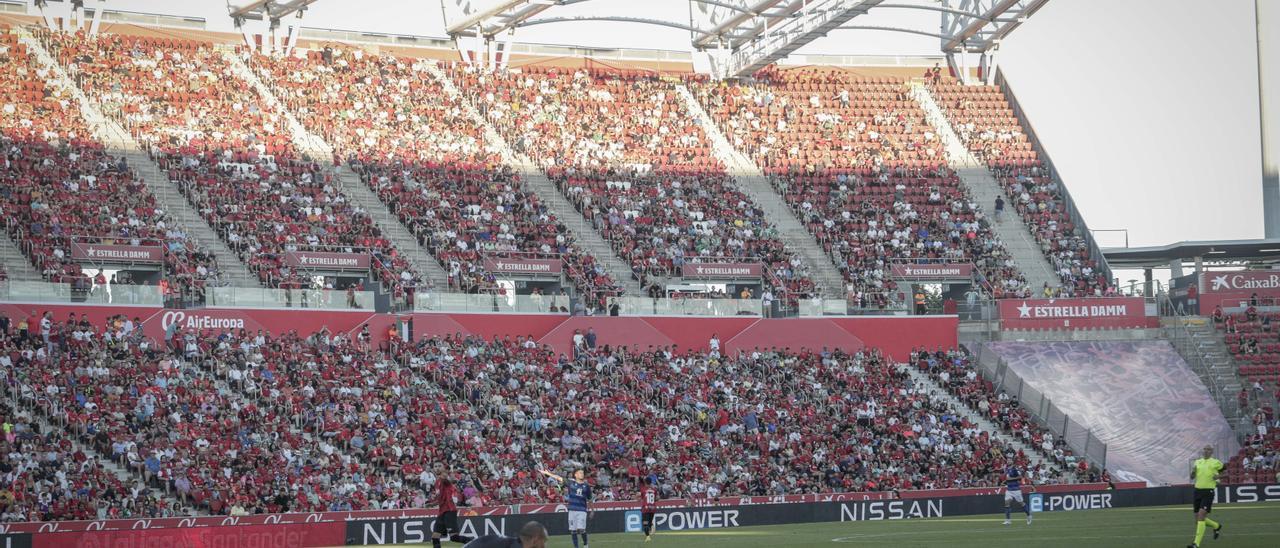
{"points": [[1148, 108]]}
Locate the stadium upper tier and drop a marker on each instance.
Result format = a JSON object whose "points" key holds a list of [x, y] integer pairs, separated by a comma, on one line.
{"points": [[856, 160], [853, 157], [231, 155], [395, 125], [60, 186], [983, 119], [626, 152]]}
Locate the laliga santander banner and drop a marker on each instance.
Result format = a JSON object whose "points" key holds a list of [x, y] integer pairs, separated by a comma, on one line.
{"points": [[933, 271], [1234, 289], [1116, 312], [722, 270], [525, 267], [117, 253], [317, 260]]}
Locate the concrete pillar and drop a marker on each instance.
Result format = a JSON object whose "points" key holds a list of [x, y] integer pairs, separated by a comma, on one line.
{"points": [[1267, 15], [1146, 282]]}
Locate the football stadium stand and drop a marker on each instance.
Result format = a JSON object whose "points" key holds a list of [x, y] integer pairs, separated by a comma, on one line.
{"points": [[820, 181]]}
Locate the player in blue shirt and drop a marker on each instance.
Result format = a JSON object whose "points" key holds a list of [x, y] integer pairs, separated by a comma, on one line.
{"points": [[1013, 478], [577, 495]]}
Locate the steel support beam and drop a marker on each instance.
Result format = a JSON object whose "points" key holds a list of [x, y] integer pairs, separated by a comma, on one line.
{"points": [[270, 9], [744, 14], [615, 19], [502, 16], [977, 26], [812, 19]]}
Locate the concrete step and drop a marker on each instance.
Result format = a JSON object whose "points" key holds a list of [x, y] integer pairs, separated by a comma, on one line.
{"points": [[984, 188], [536, 180], [749, 178], [119, 142], [929, 385], [736, 162], [349, 183], [16, 265], [127, 478], [423, 261]]}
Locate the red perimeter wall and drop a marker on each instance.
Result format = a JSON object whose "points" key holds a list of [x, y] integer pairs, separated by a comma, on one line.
{"points": [[894, 334]]}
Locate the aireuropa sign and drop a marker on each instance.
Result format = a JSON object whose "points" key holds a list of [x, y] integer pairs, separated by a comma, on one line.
{"points": [[1073, 313], [181, 319], [933, 271], [125, 254]]}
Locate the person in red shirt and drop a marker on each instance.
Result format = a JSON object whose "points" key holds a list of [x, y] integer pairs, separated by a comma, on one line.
{"points": [[446, 502], [648, 507]]}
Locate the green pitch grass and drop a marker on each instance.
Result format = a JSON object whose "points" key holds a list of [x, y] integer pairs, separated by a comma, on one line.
{"points": [[1244, 525]]}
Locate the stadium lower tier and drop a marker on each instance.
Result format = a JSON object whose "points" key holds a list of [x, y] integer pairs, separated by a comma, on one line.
{"points": [[222, 415]]}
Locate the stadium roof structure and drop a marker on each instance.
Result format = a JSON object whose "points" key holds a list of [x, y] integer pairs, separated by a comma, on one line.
{"points": [[1262, 251], [738, 37]]}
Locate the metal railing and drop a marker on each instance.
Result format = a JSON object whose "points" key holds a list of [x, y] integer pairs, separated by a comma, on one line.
{"points": [[491, 303], [65, 293], [1080, 438], [262, 297], [1179, 335], [643, 306]]}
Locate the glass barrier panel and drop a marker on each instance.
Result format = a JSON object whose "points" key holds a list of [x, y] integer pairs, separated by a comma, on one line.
{"points": [[57, 293], [265, 297]]}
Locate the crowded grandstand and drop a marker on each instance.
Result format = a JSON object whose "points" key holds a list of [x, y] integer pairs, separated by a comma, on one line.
{"points": [[280, 270]]}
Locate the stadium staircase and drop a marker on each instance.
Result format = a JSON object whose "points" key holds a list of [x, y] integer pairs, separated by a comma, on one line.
{"points": [[923, 382], [984, 188], [348, 182], [755, 184], [15, 263], [126, 477], [231, 270], [536, 180], [1195, 338]]}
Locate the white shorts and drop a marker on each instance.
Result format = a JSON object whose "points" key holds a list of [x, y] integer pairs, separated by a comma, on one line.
{"points": [[577, 520], [1013, 495]]}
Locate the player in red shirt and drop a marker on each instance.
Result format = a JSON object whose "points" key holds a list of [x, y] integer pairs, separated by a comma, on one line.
{"points": [[648, 507], [446, 525]]}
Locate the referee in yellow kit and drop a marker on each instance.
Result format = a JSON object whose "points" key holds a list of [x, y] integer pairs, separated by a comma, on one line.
{"points": [[1205, 473]]}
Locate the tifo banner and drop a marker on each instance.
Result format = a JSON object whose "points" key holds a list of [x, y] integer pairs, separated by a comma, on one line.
{"points": [[117, 253], [963, 271], [522, 266], [722, 270], [1235, 289], [318, 260], [1073, 313]]}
